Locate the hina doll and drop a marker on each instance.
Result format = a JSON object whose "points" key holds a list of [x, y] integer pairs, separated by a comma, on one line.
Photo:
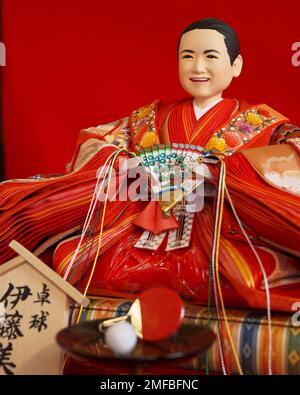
{"points": [[128, 246]]}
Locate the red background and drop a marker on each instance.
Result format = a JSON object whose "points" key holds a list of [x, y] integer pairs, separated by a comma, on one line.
{"points": [[73, 64]]}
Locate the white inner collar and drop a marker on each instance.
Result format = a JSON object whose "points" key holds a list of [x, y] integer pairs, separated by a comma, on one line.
{"points": [[199, 112]]}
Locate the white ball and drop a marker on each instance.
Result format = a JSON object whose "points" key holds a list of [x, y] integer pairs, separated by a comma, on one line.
{"points": [[121, 337]]}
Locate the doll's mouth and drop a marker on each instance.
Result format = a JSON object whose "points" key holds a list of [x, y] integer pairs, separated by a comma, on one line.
{"points": [[199, 80]]}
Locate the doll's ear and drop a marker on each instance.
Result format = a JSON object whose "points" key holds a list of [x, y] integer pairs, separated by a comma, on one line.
{"points": [[237, 66]]}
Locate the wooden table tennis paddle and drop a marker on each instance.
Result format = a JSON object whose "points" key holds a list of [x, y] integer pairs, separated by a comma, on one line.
{"points": [[155, 315]]}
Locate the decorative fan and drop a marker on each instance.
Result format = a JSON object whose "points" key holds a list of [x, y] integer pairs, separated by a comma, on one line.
{"points": [[175, 171]]}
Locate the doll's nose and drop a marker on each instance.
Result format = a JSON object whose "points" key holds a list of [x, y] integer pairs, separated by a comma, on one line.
{"points": [[199, 65]]}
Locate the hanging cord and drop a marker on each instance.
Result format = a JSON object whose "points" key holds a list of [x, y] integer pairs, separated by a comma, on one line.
{"points": [[94, 223], [101, 227], [86, 260], [88, 216], [267, 290], [85, 227], [208, 312], [213, 258], [91, 235], [217, 236]]}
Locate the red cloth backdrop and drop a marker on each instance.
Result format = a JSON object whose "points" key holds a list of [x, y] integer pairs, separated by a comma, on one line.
{"points": [[73, 64]]}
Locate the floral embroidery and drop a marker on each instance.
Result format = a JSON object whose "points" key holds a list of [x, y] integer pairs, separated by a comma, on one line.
{"points": [[242, 129], [144, 131], [215, 143], [148, 140], [117, 133], [233, 139], [253, 118], [109, 139], [245, 127], [102, 130], [264, 112], [120, 136], [144, 112]]}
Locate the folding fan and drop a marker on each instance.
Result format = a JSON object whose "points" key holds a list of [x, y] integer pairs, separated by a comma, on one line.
{"points": [[175, 170]]}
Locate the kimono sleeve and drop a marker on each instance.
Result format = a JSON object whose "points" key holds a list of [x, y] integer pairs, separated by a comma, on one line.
{"points": [[287, 134], [92, 139]]}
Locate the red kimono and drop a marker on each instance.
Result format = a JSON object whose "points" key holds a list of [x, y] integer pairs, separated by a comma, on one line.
{"points": [[41, 213]]}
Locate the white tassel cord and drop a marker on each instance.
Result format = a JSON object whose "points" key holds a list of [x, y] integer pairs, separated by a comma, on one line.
{"points": [[268, 299]]}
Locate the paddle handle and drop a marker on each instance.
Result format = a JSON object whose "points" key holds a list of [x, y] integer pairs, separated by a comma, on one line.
{"points": [[112, 321]]}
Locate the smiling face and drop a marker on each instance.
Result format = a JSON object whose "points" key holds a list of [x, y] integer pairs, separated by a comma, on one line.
{"points": [[205, 70]]}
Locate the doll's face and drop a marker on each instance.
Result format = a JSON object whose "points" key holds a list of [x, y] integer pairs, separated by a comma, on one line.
{"points": [[204, 64]]}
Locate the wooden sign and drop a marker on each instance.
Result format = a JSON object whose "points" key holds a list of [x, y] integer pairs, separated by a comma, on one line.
{"points": [[34, 307]]}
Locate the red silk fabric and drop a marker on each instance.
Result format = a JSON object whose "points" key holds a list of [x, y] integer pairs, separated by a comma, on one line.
{"points": [[33, 211]]}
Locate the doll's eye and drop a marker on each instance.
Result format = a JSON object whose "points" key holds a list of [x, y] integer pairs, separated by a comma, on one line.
{"points": [[186, 56], [212, 57]]}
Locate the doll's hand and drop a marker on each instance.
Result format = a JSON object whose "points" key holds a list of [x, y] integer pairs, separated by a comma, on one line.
{"points": [[203, 170]]}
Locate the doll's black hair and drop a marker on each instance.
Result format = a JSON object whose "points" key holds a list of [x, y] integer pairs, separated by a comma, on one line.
{"points": [[230, 36]]}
